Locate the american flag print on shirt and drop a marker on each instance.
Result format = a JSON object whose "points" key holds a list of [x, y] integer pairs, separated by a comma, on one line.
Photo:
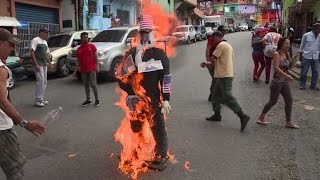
{"points": [[167, 84]]}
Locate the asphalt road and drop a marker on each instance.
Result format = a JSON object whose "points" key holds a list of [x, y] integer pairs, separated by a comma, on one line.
{"points": [[215, 150]]}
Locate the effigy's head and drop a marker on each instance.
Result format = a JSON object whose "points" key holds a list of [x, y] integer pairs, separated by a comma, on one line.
{"points": [[146, 28]]}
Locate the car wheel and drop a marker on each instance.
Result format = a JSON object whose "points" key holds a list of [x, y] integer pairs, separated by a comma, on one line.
{"points": [[62, 67], [188, 40], [113, 68], [195, 39], [12, 82]]}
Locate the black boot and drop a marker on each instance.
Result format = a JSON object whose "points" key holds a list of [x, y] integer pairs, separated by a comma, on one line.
{"points": [[215, 117], [244, 120]]}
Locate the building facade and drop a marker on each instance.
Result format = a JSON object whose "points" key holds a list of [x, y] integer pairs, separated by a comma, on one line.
{"points": [[188, 12], [32, 15]]}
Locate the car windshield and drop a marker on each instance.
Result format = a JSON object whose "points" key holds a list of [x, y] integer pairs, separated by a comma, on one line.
{"points": [[181, 29], [211, 24], [59, 40], [110, 36]]}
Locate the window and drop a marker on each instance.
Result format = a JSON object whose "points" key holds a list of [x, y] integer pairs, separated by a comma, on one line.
{"points": [[232, 9], [133, 34], [92, 6], [124, 16], [106, 11], [110, 36]]}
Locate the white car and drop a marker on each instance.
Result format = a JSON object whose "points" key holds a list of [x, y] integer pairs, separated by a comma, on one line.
{"points": [[185, 33], [244, 27]]}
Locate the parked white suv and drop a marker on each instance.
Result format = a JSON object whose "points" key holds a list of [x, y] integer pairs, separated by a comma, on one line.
{"points": [[59, 46], [185, 33], [111, 46]]}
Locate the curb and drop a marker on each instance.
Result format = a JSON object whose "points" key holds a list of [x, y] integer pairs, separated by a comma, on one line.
{"points": [[295, 73]]}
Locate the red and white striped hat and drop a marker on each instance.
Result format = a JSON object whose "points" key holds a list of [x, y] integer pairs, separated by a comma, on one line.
{"points": [[146, 22]]}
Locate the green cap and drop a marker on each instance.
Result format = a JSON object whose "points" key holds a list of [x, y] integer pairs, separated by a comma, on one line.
{"points": [[6, 35]]}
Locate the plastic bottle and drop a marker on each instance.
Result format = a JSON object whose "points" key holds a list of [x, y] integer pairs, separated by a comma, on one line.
{"points": [[52, 116]]}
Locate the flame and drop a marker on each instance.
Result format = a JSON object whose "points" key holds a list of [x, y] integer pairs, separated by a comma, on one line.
{"points": [[134, 133], [187, 165]]}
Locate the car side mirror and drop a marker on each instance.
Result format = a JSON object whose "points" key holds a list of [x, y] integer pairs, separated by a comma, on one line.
{"points": [[74, 44]]}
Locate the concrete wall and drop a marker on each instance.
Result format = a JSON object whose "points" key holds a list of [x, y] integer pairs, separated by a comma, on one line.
{"points": [[166, 6], [97, 21], [247, 9], [5, 8], [68, 13]]}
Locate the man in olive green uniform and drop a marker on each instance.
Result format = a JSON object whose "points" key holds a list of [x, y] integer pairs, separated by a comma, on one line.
{"points": [[39, 54], [222, 57]]}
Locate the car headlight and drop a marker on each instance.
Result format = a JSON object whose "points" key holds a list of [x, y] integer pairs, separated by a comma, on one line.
{"points": [[102, 54]]}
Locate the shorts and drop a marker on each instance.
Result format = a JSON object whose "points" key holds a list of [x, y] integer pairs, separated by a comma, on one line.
{"points": [[11, 158]]}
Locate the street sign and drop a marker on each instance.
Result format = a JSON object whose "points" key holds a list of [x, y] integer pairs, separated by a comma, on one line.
{"points": [[24, 24]]}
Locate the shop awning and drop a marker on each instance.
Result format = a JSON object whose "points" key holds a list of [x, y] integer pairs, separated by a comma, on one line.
{"points": [[9, 21]]}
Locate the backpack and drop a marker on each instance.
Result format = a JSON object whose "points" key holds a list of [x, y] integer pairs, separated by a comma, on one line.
{"points": [[271, 47]]}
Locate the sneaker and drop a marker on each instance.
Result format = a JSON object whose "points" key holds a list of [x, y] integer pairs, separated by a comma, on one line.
{"points": [[302, 88], [86, 103], [45, 102], [97, 103], [314, 88], [39, 104]]}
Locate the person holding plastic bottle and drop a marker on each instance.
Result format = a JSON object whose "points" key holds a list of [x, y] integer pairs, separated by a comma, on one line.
{"points": [[12, 159]]}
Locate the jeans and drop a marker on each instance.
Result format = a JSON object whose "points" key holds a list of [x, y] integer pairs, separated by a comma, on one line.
{"points": [[90, 79], [305, 65], [41, 77]]}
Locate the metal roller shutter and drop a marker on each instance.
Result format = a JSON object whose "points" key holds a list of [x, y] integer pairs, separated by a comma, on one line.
{"points": [[31, 13]]}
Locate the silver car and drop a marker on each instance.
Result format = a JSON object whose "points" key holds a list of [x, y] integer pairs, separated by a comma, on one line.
{"points": [[111, 46]]}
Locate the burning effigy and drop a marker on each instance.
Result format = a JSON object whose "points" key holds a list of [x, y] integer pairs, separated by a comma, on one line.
{"points": [[145, 87]]}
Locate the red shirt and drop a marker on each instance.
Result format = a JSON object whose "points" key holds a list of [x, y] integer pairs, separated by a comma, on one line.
{"points": [[86, 55]]}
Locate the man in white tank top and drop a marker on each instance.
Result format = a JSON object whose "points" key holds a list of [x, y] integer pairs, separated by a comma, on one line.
{"points": [[11, 157]]}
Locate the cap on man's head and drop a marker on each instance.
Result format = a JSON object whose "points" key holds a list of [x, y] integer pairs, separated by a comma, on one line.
{"points": [[6, 35], [217, 34], [45, 30], [221, 28], [316, 24]]}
